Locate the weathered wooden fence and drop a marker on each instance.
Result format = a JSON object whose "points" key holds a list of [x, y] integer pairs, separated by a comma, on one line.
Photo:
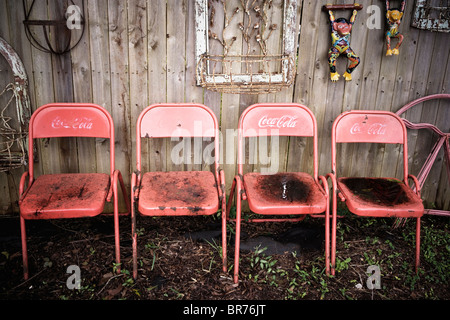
{"points": [[138, 52]]}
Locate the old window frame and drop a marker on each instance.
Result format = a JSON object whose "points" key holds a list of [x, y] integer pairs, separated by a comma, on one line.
{"points": [[288, 49], [421, 17]]}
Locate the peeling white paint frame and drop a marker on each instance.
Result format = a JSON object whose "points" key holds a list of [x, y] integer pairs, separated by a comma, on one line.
{"points": [[421, 20], [288, 50]]}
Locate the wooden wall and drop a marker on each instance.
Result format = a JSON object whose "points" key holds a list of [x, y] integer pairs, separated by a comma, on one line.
{"points": [[139, 52]]}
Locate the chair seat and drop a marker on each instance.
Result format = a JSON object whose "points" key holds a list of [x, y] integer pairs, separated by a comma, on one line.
{"points": [[284, 193], [378, 197], [178, 193], [72, 195]]}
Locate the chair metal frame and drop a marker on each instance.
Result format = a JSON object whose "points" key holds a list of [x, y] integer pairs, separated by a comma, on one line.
{"points": [[307, 128], [44, 123], [442, 142], [145, 123], [343, 133]]}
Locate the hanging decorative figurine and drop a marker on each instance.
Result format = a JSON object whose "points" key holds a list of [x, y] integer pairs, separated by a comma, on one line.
{"points": [[341, 29], [393, 19]]}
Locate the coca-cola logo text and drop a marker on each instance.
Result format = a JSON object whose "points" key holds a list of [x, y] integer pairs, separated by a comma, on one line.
{"points": [[374, 128], [285, 121], [75, 123]]}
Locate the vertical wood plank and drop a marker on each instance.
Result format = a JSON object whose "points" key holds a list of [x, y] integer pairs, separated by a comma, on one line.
{"points": [[300, 149], [317, 98], [442, 195], [287, 94], [120, 89], [264, 159], [372, 54], [230, 102], [409, 49], [176, 55], [137, 50], [352, 91], [432, 113], [82, 92], [213, 99], [157, 80], [194, 93], [100, 70], [252, 146], [63, 85], [384, 96], [330, 93], [418, 89]]}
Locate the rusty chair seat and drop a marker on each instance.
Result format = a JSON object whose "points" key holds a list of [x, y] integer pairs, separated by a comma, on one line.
{"points": [[178, 193], [70, 195], [380, 197], [284, 193]]}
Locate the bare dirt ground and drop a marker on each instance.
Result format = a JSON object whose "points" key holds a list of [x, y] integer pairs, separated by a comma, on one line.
{"points": [[179, 259]]}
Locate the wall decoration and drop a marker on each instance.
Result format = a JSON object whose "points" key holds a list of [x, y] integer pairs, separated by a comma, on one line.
{"points": [[15, 113], [341, 29], [246, 62], [55, 35], [433, 15], [393, 20]]}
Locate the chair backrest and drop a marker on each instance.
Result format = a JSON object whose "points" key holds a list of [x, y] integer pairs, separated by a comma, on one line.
{"points": [[176, 120], [70, 120], [369, 126], [277, 119]]}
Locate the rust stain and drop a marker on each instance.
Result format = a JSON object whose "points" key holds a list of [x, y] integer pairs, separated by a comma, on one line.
{"points": [[285, 187], [388, 192], [173, 191], [64, 192]]}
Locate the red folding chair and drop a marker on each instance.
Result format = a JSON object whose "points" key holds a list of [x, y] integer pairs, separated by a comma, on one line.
{"points": [[177, 193], [283, 193], [69, 195], [379, 196]]}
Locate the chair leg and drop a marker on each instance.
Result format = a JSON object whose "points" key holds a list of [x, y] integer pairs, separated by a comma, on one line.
{"points": [[118, 178], [417, 244], [116, 223], [134, 239], [224, 227], [327, 238], [24, 248], [333, 233], [224, 236], [238, 234]]}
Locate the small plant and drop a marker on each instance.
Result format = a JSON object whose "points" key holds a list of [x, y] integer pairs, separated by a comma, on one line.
{"points": [[217, 247], [342, 264], [47, 263], [178, 295], [264, 266], [140, 231], [116, 267]]}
